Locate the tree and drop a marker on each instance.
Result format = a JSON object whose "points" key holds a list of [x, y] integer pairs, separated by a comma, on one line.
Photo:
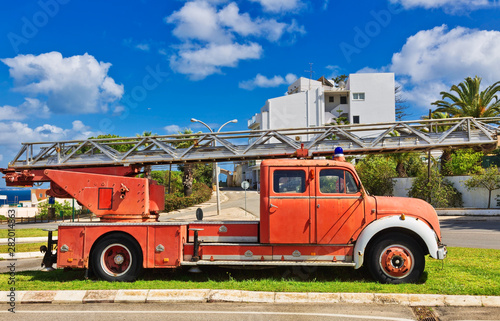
{"points": [[466, 99], [187, 169], [118, 145], [446, 156], [407, 164], [376, 173], [435, 190], [486, 178], [401, 105], [464, 162], [339, 78]]}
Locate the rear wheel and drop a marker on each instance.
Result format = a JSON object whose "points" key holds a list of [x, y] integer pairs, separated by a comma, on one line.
{"points": [[117, 257], [396, 258]]}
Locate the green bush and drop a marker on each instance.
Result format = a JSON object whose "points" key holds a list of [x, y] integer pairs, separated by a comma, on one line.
{"points": [[376, 173], [201, 193], [439, 192], [464, 162], [66, 208]]}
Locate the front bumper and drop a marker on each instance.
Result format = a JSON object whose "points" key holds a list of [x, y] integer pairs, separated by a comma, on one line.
{"points": [[442, 252]]}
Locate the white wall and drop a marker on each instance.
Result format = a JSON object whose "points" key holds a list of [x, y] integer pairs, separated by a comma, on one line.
{"points": [[379, 103], [20, 211], [476, 198]]}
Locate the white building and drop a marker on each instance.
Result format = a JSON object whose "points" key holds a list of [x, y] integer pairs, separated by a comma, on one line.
{"points": [[364, 98]]}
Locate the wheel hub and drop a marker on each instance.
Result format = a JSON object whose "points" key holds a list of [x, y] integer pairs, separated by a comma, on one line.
{"points": [[396, 261], [116, 259], [119, 259]]}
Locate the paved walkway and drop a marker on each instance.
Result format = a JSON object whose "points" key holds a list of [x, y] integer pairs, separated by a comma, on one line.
{"points": [[238, 296]]}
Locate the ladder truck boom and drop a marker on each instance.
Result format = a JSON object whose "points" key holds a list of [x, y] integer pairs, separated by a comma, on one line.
{"points": [[312, 211], [355, 139]]}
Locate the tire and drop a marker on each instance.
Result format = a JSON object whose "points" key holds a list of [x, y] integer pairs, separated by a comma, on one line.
{"points": [[117, 257], [396, 258]]}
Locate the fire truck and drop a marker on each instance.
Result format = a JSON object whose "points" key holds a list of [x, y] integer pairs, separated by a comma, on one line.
{"points": [[314, 211]]}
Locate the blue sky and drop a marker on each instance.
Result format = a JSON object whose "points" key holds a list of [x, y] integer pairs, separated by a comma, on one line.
{"points": [[71, 69]]}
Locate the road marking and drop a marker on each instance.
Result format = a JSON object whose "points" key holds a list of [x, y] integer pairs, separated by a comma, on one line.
{"points": [[370, 317]]}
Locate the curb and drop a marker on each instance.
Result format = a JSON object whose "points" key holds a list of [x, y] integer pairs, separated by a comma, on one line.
{"points": [[239, 296], [21, 255], [26, 240]]}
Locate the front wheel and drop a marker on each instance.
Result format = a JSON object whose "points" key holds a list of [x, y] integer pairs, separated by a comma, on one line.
{"points": [[396, 258], [117, 257]]}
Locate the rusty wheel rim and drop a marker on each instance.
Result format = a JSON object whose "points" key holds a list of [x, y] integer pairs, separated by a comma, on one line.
{"points": [[396, 261], [116, 259]]}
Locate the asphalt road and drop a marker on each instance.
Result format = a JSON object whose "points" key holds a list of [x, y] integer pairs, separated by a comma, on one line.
{"points": [[236, 311]]}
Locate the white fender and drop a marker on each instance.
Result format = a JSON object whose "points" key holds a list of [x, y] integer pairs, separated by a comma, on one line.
{"points": [[410, 223]]}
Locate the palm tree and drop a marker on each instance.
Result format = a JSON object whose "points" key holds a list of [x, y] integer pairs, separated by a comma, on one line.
{"points": [[469, 101], [187, 169], [446, 156]]}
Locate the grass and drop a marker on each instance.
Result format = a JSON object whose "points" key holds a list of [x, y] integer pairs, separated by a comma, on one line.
{"points": [[28, 247], [465, 271], [27, 232]]}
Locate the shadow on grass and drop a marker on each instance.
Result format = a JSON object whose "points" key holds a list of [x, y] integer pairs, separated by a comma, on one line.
{"points": [[222, 274]]}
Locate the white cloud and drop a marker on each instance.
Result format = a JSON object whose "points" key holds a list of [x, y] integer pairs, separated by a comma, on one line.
{"points": [[30, 106], [76, 85], [172, 129], [280, 5], [264, 82], [143, 46], [118, 110], [451, 6], [198, 20], [433, 60], [215, 34], [12, 134], [199, 63], [243, 25]]}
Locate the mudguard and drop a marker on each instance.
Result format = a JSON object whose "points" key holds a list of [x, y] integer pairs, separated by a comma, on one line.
{"points": [[409, 223]]}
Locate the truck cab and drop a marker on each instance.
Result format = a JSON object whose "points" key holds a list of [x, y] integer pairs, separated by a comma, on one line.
{"points": [[323, 203]]}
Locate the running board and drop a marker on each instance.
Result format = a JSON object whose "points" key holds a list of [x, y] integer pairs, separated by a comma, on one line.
{"points": [[267, 263]]}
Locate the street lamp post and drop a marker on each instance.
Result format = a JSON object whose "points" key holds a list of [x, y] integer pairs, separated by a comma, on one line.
{"points": [[215, 174]]}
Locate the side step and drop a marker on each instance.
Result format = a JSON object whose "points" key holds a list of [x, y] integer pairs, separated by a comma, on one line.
{"points": [[267, 263]]}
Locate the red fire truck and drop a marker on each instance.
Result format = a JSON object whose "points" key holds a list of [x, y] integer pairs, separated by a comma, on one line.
{"points": [[313, 212]]}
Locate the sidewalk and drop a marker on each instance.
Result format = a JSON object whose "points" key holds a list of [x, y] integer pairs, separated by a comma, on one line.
{"points": [[239, 296]]}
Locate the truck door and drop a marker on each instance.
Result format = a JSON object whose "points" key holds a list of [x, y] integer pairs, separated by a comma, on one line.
{"points": [[339, 206], [289, 201]]}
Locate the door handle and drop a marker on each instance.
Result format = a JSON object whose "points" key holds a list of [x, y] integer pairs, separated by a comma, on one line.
{"points": [[317, 206], [271, 206]]}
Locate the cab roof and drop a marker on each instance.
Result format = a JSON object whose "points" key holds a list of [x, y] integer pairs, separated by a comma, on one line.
{"points": [[305, 163]]}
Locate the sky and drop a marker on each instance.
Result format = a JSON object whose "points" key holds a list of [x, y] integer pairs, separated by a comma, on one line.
{"points": [[73, 69]]}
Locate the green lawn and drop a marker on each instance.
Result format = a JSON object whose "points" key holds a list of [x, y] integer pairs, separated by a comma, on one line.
{"points": [[28, 247], [465, 271], [27, 232]]}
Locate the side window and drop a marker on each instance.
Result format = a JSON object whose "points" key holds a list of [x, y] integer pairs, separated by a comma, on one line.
{"points": [[289, 181], [350, 182], [331, 181]]}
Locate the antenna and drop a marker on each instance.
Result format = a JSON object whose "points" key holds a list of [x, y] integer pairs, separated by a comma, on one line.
{"points": [[310, 71]]}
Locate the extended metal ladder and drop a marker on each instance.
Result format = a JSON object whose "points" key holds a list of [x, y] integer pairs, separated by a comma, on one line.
{"points": [[420, 135]]}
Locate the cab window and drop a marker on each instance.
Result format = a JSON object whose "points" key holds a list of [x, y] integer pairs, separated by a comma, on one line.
{"points": [[337, 181], [331, 181], [289, 181], [350, 182]]}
